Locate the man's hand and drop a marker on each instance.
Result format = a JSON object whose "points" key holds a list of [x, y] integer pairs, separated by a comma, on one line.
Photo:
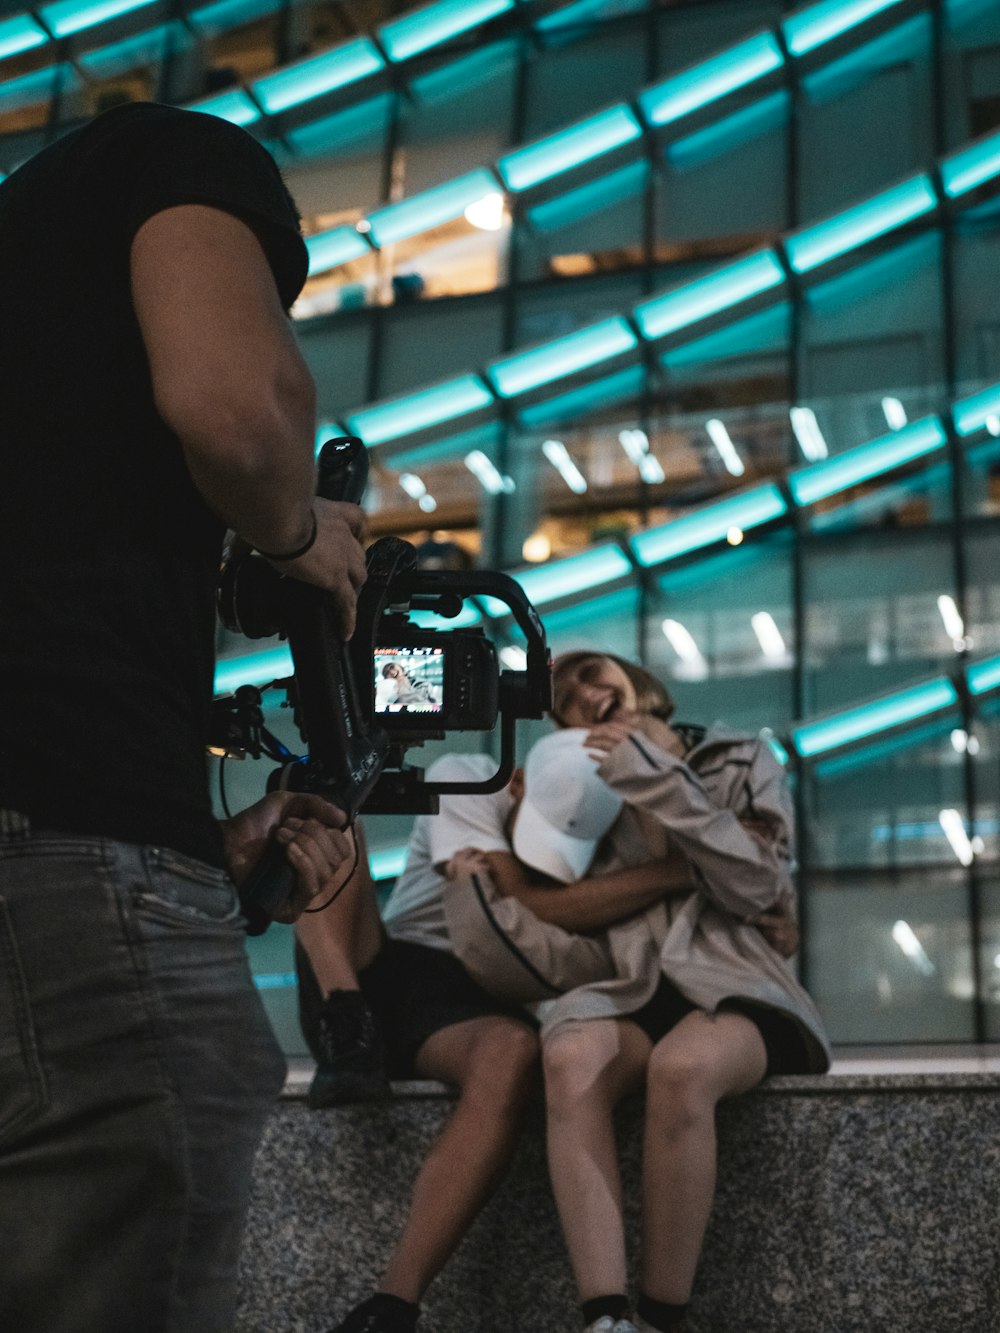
{"points": [[312, 833], [467, 861], [781, 931], [336, 560]]}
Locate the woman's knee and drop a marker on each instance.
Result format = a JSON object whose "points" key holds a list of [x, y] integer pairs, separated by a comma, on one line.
{"points": [[576, 1062], [503, 1062], [680, 1086]]}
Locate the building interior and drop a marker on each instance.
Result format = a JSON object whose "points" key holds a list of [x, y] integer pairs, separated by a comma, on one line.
{"points": [[684, 313]]}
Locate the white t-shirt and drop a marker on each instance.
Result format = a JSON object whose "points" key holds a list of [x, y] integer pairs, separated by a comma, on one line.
{"points": [[415, 910]]}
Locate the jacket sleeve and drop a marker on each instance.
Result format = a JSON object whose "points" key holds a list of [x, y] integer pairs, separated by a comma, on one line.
{"points": [[740, 859]]}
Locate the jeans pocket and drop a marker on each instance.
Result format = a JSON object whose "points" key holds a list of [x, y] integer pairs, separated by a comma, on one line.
{"points": [[182, 890], [23, 1091]]}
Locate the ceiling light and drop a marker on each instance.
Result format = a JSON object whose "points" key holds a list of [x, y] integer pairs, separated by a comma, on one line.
{"points": [[895, 413], [903, 934], [769, 637], [954, 830], [808, 433], [727, 450], [555, 451]]}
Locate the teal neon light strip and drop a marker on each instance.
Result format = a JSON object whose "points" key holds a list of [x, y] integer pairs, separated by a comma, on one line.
{"points": [[971, 166], [427, 407], [340, 245], [711, 79], [983, 676], [430, 208], [560, 152], [874, 217], [434, 24], [625, 183], [20, 34], [604, 392], [145, 47], [718, 290], [816, 24], [253, 669], [360, 123], [320, 74], [563, 578], [763, 114], [387, 862], [275, 980], [562, 356], [830, 475], [210, 20], [893, 710], [233, 105], [971, 414], [69, 16], [39, 86], [708, 525]]}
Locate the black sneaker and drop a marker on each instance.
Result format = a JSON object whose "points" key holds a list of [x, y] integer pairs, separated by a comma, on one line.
{"points": [[379, 1315], [350, 1056]]}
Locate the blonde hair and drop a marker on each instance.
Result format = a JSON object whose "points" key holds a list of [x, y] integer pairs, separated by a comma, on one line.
{"points": [[651, 696]]}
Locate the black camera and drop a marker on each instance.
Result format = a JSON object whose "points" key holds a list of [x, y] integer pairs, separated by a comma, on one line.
{"points": [[360, 705]]}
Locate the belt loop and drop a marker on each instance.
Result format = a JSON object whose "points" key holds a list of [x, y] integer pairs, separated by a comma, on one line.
{"points": [[14, 825]]}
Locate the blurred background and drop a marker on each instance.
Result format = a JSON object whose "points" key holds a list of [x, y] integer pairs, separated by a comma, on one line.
{"points": [[687, 315]]}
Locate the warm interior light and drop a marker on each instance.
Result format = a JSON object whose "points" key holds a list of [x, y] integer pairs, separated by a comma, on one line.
{"points": [[734, 536], [536, 548], [487, 213]]}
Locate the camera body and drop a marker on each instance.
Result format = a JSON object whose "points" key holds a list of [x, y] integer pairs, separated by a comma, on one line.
{"points": [[359, 705]]}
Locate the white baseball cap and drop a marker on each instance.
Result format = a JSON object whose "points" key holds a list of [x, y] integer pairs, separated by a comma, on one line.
{"points": [[567, 808]]}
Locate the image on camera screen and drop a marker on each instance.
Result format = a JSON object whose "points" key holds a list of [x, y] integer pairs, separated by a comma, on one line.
{"points": [[409, 680]]}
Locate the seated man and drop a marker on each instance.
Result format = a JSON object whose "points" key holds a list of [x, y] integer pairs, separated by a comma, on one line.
{"points": [[359, 978]]}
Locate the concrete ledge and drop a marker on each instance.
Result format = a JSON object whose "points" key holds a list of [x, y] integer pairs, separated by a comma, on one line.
{"points": [[846, 1204]]}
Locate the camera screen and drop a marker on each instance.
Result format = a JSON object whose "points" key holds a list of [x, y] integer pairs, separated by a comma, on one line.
{"points": [[409, 680]]}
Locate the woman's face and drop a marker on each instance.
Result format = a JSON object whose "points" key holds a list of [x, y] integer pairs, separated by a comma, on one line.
{"points": [[393, 671], [595, 690]]}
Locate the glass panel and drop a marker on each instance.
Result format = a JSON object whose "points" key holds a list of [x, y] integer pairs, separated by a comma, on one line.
{"points": [[888, 111], [873, 619], [720, 633], [889, 948], [424, 344], [875, 327], [337, 353], [722, 188], [584, 75], [867, 988]]}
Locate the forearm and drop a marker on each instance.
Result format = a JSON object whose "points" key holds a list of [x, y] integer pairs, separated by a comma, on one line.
{"points": [[597, 901]]}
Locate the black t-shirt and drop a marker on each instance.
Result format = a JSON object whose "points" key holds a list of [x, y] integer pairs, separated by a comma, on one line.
{"points": [[108, 554]]}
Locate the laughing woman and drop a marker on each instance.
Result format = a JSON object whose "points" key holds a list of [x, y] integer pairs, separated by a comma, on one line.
{"points": [[702, 1009]]}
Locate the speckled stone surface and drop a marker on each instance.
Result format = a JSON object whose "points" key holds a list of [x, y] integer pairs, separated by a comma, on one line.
{"points": [[851, 1204]]}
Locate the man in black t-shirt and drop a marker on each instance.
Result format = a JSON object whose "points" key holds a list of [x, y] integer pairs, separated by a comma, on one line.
{"points": [[151, 396]]}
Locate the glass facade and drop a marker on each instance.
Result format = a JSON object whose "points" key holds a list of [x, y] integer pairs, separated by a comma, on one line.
{"points": [[712, 283]]}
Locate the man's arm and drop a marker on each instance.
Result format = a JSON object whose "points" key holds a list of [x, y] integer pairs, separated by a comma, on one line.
{"points": [[230, 382], [588, 904]]}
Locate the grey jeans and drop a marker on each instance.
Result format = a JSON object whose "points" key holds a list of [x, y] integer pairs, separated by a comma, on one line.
{"points": [[136, 1070]]}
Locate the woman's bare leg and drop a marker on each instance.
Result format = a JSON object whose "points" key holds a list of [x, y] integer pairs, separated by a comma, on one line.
{"points": [[702, 1060], [494, 1063], [588, 1068]]}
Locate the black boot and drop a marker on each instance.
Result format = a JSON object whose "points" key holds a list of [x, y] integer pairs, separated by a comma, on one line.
{"points": [[350, 1056]]}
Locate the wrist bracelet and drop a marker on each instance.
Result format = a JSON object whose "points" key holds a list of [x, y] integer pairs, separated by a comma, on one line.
{"points": [[285, 556]]}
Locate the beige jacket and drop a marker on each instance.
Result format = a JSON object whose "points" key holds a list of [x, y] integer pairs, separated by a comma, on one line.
{"points": [[700, 940]]}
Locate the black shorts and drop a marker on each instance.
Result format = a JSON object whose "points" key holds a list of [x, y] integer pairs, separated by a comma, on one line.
{"points": [[415, 990], [786, 1050]]}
